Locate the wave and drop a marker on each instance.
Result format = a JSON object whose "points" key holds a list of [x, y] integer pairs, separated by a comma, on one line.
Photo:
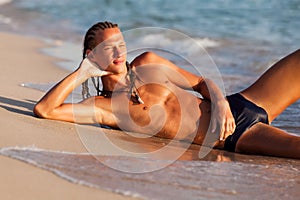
{"points": [[2, 2], [245, 178]]}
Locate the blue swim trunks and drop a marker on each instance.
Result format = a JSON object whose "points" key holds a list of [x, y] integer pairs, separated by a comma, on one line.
{"points": [[246, 114]]}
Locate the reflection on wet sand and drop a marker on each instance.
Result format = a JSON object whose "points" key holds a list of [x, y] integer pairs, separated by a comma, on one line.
{"points": [[220, 175]]}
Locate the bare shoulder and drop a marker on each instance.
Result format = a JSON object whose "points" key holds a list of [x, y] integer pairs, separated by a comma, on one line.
{"points": [[174, 73], [145, 58]]}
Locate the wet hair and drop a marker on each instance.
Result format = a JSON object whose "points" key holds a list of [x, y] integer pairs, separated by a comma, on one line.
{"points": [[90, 43]]}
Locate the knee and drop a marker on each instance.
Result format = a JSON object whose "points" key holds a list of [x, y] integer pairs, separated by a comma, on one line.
{"points": [[144, 58], [293, 60], [297, 56]]}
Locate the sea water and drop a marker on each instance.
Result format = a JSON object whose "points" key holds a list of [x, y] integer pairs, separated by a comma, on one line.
{"points": [[243, 38], [243, 177]]}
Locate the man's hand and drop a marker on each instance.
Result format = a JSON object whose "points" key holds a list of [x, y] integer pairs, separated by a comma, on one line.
{"points": [[92, 69], [222, 121]]}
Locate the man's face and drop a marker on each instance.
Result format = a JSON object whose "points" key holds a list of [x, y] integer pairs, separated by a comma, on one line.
{"points": [[110, 53]]}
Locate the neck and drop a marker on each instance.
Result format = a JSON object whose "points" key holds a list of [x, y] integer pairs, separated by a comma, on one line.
{"points": [[121, 80], [109, 82]]}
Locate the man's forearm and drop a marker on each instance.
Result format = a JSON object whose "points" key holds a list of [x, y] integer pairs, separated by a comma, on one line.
{"points": [[56, 96]]}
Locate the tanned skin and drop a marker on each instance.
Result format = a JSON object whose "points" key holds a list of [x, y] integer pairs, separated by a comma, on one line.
{"points": [[168, 109]]}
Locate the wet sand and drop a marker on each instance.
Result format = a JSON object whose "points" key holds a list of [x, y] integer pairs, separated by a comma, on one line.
{"points": [[21, 62], [219, 175]]}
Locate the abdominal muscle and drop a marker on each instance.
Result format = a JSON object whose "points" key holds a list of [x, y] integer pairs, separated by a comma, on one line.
{"points": [[182, 116]]}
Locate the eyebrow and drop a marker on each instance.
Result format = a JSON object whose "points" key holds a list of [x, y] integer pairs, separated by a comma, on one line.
{"points": [[113, 43]]}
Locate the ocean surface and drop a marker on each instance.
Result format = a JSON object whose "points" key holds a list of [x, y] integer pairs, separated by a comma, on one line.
{"points": [[242, 38], [232, 41]]}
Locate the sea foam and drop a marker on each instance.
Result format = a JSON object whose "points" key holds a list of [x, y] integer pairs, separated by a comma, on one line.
{"points": [[245, 178], [2, 2]]}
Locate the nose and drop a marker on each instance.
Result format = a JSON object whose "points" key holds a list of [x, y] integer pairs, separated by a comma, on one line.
{"points": [[118, 52]]}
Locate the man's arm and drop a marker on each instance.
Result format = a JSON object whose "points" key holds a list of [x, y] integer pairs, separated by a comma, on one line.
{"points": [[52, 105], [221, 113], [179, 76], [222, 121]]}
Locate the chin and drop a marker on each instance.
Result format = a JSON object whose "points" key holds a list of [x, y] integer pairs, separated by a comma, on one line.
{"points": [[118, 69]]}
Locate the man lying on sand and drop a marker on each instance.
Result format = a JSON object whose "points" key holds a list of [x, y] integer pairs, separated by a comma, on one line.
{"points": [[150, 96]]}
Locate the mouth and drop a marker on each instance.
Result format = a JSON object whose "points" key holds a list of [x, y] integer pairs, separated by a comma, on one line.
{"points": [[119, 62]]}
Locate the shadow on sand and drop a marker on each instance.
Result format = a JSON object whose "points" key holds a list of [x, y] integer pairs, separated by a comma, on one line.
{"points": [[23, 107]]}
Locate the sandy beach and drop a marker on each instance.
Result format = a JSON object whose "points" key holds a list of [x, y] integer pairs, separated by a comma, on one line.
{"points": [[22, 62], [47, 159]]}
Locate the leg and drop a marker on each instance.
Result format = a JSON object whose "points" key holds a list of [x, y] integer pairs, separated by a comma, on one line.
{"points": [[278, 87], [264, 139]]}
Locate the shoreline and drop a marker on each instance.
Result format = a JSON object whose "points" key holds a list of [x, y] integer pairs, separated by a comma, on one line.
{"points": [[22, 61]]}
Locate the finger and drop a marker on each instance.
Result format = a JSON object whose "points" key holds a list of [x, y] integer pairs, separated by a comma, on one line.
{"points": [[213, 126], [86, 64], [233, 124], [229, 130], [87, 61], [228, 127], [233, 127], [222, 134], [222, 130], [104, 73]]}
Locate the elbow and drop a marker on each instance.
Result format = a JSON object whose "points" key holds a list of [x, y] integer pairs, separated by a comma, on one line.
{"points": [[39, 111]]}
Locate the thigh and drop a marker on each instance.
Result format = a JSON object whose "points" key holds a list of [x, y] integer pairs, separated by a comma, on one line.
{"points": [[264, 139], [278, 87]]}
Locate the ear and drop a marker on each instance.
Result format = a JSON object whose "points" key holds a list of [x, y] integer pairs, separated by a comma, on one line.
{"points": [[90, 55], [88, 51]]}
